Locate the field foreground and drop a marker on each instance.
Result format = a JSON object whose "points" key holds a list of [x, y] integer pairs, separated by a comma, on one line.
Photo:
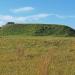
{"points": [[20, 55]]}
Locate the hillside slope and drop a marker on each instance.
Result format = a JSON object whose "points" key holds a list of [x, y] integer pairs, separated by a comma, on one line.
{"points": [[37, 30]]}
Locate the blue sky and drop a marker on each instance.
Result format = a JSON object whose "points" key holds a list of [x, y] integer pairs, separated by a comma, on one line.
{"points": [[38, 11]]}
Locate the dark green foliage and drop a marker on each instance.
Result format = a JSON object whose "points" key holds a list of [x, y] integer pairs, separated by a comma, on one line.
{"points": [[10, 23], [37, 30]]}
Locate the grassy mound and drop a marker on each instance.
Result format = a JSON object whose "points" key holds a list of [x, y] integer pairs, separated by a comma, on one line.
{"points": [[37, 30]]}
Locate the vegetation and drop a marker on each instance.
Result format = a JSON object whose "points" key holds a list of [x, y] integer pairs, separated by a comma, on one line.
{"points": [[36, 29], [10, 23], [31, 49], [23, 55]]}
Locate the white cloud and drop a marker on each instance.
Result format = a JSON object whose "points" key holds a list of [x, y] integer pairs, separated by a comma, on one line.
{"points": [[61, 16], [2, 23], [7, 18], [37, 17], [28, 19], [23, 9]]}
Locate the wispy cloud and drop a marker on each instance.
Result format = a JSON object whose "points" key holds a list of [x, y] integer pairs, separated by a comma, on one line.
{"points": [[61, 16], [32, 18], [6, 17], [22, 9], [2, 23], [37, 17]]}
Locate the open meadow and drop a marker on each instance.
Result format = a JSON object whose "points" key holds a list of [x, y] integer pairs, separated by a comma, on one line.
{"points": [[39, 55]]}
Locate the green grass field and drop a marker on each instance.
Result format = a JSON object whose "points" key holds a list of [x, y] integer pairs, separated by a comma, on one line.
{"points": [[21, 55]]}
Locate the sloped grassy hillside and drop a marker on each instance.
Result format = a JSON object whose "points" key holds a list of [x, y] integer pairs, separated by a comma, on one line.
{"points": [[37, 30]]}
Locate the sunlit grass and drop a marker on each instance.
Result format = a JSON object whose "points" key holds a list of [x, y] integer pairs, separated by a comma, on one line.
{"points": [[29, 55]]}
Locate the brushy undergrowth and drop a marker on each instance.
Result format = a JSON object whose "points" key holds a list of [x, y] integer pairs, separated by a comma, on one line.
{"points": [[37, 30]]}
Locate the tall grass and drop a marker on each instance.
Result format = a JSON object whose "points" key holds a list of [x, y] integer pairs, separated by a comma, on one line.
{"points": [[21, 55]]}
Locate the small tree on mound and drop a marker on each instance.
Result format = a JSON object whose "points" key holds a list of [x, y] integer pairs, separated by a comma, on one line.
{"points": [[10, 23]]}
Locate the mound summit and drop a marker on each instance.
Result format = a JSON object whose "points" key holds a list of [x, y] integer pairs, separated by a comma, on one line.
{"points": [[36, 29]]}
